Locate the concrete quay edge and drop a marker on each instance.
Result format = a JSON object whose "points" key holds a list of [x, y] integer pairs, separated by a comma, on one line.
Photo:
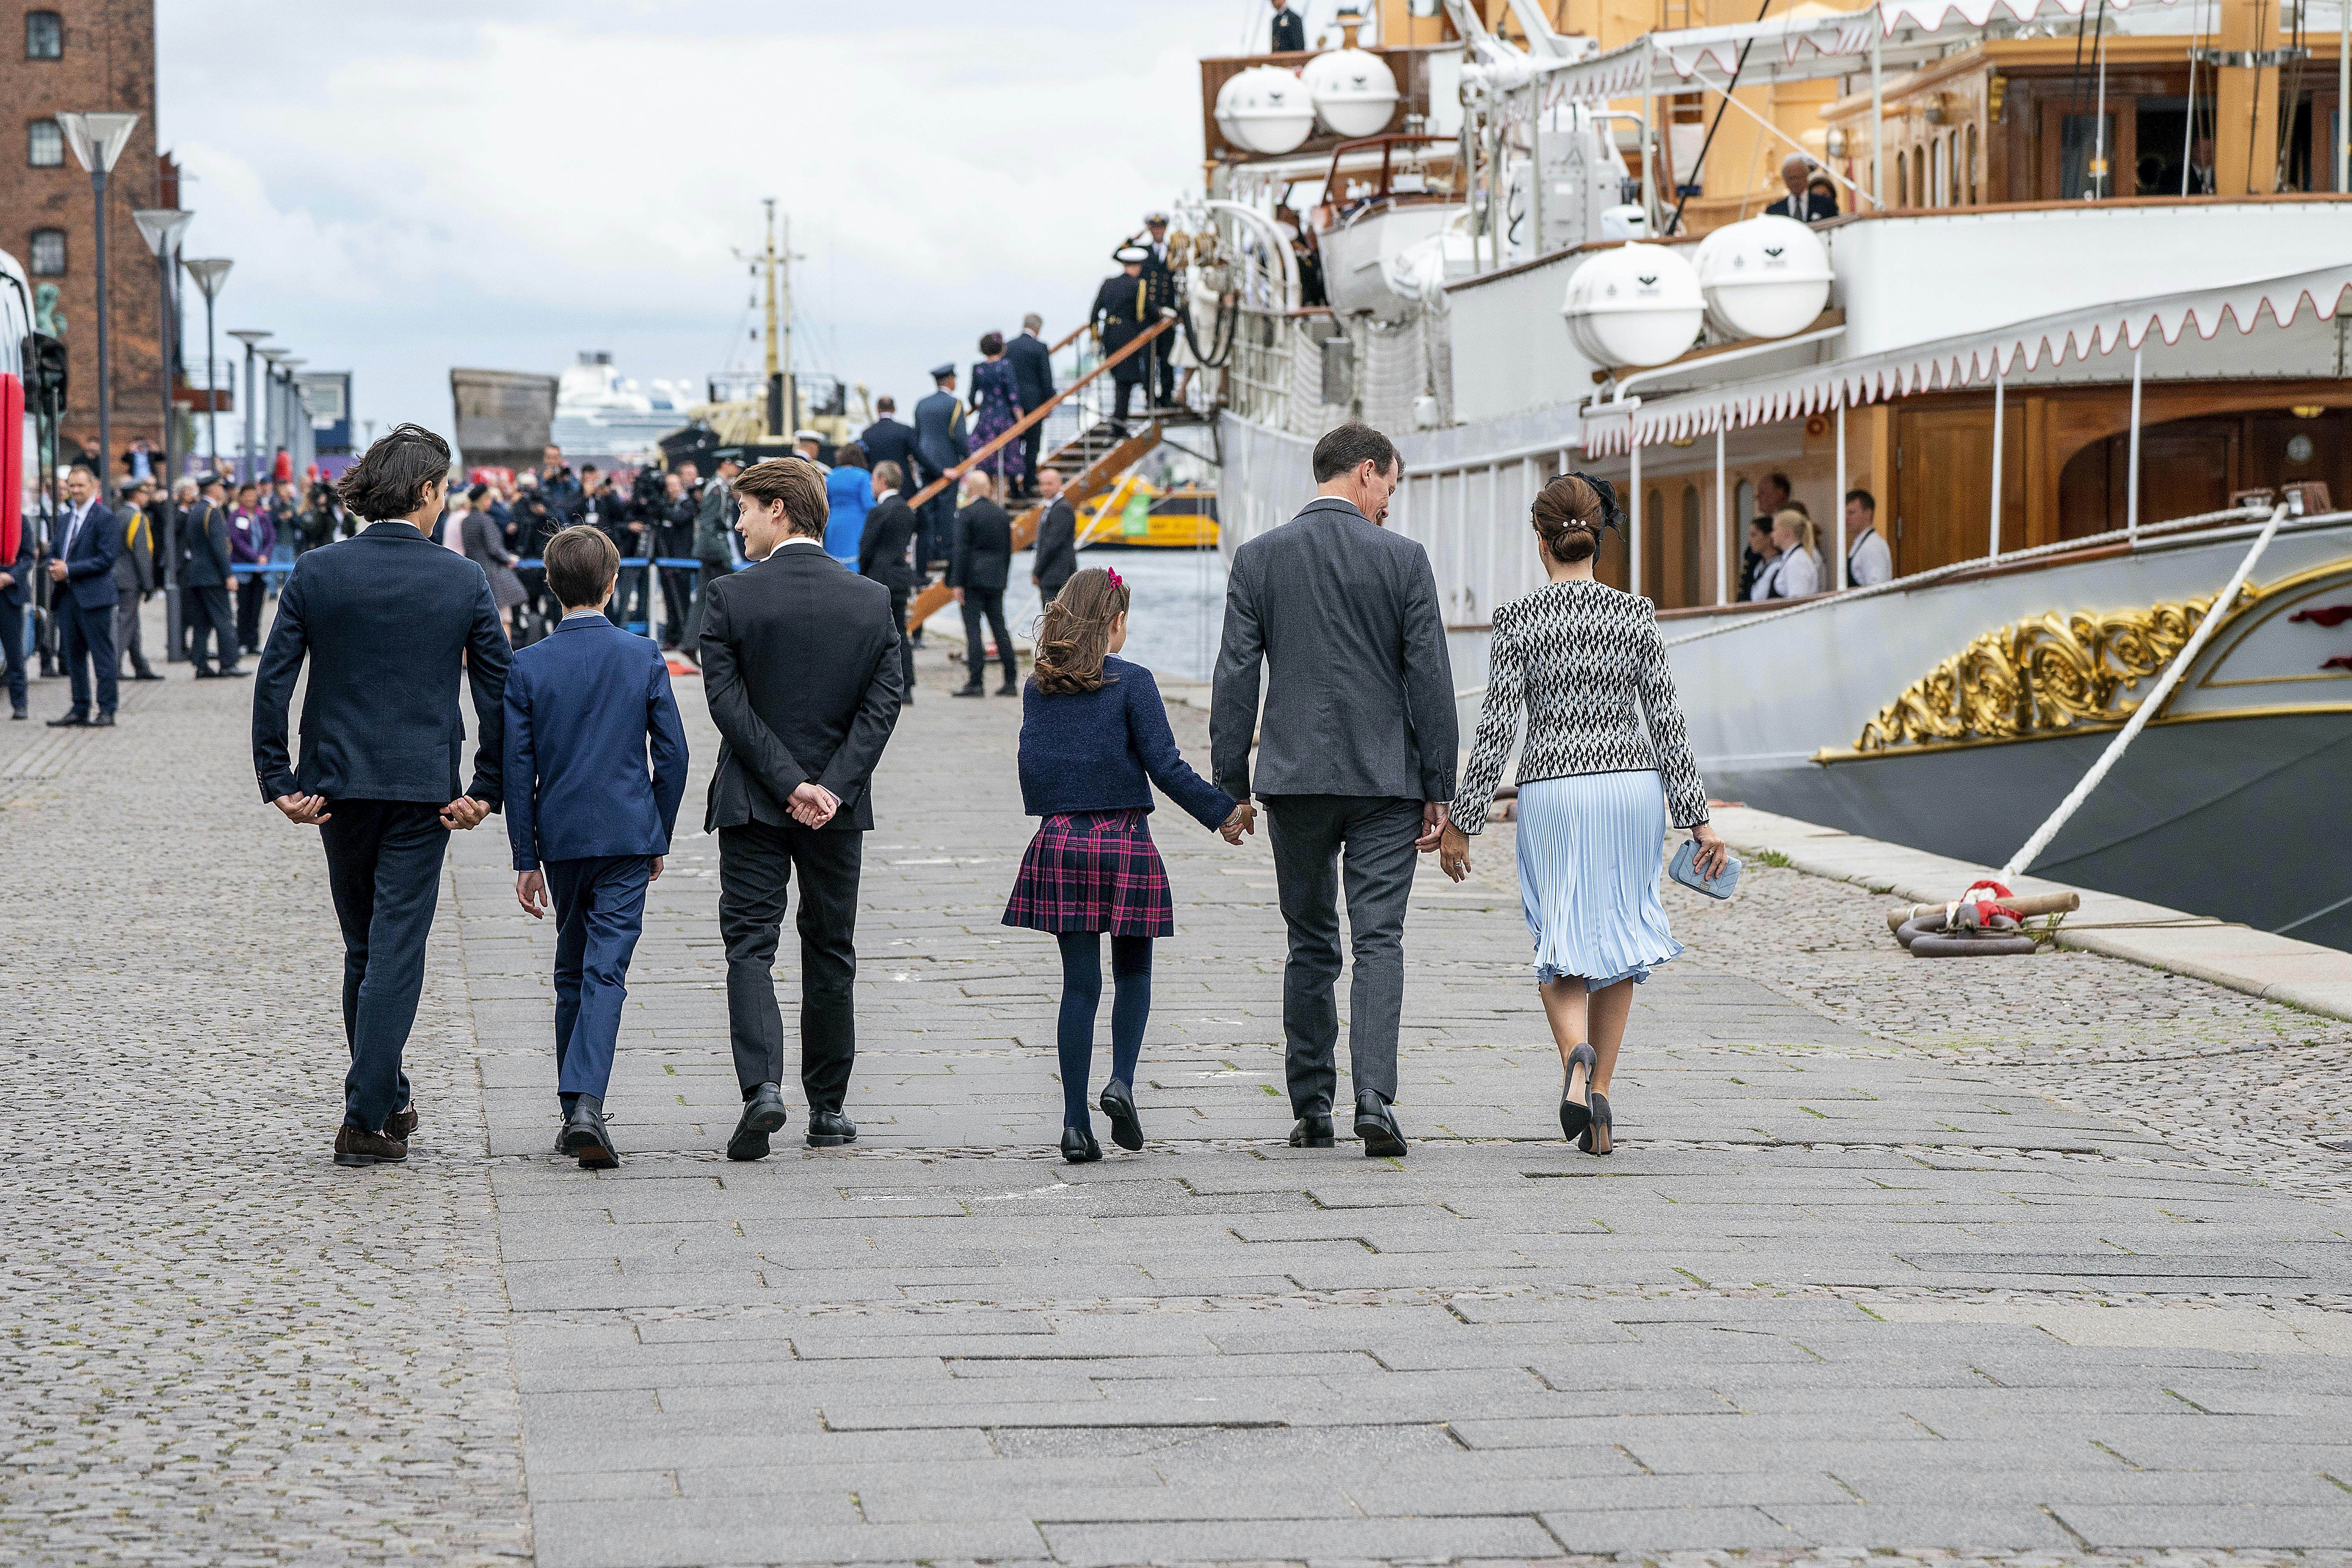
{"points": [[2275, 968]]}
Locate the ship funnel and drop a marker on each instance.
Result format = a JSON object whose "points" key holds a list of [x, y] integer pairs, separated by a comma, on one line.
{"points": [[1353, 90], [1765, 278], [1636, 305], [1264, 109]]}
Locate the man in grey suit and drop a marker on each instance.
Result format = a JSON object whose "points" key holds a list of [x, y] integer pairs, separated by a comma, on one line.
{"points": [[1355, 765]]}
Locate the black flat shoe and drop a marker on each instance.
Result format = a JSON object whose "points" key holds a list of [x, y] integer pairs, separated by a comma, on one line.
{"points": [[1010, 688], [1311, 1132], [762, 1114], [1596, 1139], [830, 1129], [585, 1138], [974, 690], [1377, 1126], [1118, 1103], [1078, 1146], [1575, 1102], [70, 721], [103, 722]]}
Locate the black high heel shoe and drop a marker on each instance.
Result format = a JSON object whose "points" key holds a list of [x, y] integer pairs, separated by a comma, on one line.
{"points": [[1596, 1139], [1126, 1128], [1078, 1146], [1575, 1102]]}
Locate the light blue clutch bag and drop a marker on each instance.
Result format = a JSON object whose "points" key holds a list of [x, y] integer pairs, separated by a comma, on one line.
{"points": [[1685, 869]]}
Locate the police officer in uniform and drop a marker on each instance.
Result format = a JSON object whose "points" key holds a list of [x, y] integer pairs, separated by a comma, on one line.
{"points": [[940, 442], [1122, 306]]}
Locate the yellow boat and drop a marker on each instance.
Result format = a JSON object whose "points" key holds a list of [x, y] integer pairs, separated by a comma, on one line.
{"points": [[1135, 512]]}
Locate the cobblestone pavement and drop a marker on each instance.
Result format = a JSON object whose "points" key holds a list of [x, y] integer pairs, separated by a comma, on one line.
{"points": [[216, 1347], [1949, 1262]]}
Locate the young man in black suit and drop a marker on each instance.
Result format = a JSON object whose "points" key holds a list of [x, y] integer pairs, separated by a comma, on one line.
{"points": [[390, 622], [890, 528], [801, 665], [978, 565]]}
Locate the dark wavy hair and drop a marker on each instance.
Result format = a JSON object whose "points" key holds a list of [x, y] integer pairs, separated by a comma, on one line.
{"points": [[1074, 633], [390, 480], [991, 344]]}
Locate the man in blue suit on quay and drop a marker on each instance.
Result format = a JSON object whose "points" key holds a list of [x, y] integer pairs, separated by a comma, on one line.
{"points": [[83, 544], [588, 825], [390, 624]]}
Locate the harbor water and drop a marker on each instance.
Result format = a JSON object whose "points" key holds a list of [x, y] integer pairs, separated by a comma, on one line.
{"points": [[1176, 614]]}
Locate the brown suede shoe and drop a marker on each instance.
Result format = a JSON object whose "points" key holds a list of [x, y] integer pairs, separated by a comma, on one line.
{"points": [[357, 1146], [403, 1124]]}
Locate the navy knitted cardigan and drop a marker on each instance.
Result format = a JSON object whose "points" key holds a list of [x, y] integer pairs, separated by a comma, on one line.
{"points": [[1104, 750]]}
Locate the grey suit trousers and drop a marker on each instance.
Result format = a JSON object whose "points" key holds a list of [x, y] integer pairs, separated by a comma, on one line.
{"points": [[1319, 841]]}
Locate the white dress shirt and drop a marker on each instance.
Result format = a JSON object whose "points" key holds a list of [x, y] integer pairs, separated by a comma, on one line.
{"points": [[1798, 573], [1868, 561]]}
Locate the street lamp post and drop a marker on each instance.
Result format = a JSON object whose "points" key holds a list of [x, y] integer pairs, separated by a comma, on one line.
{"points": [[161, 227], [273, 413], [295, 419], [97, 141], [248, 337], [210, 274]]}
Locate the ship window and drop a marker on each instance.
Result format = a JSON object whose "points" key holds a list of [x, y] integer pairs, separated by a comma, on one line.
{"points": [[1972, 165], [1902, 181], [1919, 176], [45, 144], [1936, 173], [48, 252], [2078, 144], [45, 36]]}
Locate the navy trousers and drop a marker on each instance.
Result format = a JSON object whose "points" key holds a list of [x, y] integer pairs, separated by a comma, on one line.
{"points": [[11, 648], [384, 869], [87, 635], [600, 908]]}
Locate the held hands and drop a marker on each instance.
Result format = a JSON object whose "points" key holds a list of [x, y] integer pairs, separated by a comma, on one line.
{"points": [[1243, 820], [1712, 850], [464, 812], [304, 810], [1453, 852], [531, 892], [1433, 824], [813, 805]]}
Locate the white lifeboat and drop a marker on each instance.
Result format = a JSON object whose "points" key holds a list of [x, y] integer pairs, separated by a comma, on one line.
{"points": [[1639, 304], [1353, 90], [1764, 277], [1264, 109]]}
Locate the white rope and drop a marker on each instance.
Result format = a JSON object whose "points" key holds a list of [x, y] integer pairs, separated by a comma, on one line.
{"points": [[2147, 708]]}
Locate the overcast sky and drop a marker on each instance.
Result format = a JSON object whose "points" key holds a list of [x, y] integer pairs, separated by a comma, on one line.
{"points": [[408, 187]]}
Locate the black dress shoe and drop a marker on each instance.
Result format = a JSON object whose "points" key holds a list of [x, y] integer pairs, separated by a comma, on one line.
{"points": [[1010, 688], [103, 722], [1311, 1132], [974, 690], [19, 714], [1078, 1146], [762, 1114], [1376, 1126], [235, 674], [70, 721], [585, 1135], [830, 1129], [146, 675], [402, 1124], [358, 1146], [1118, 1103], [207, 674]]}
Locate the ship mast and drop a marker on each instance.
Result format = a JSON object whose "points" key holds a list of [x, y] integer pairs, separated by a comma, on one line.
{"points": [[783, 399], [2245, 58]]}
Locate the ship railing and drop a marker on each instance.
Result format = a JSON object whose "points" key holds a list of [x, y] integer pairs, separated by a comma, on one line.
{"points": [[1258, 370]]}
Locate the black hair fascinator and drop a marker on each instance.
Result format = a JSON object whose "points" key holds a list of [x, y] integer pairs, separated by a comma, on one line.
{"points": [[1612, 516]]}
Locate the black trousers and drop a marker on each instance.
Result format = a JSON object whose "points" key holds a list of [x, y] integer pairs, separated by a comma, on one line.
{"points": [[677, 594], [12, 648], [756, 863], [1127, 383], [932, 539], [898, 601], [384, 869], [87, 635], [251, 592], [714, 567], [206, 607], [1031, 439], [988, 602]]}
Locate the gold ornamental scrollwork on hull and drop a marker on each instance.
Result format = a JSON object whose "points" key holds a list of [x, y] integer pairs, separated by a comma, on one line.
{"points": [[2037, 677]]}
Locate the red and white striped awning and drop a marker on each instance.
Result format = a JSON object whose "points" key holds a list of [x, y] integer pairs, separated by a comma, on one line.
{"points": [[1954, 362], [1791, 47]]}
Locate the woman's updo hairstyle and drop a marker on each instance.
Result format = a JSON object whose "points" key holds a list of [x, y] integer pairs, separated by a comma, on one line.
{"points": [[1074, 633], [1569, 514]]}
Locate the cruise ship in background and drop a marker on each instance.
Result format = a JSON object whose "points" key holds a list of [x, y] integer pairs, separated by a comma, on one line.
{"points": [[602, 416], [2076, 327]]}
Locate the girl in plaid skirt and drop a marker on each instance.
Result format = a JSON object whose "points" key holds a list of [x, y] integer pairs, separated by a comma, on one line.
{"points": [[1094, 740]]}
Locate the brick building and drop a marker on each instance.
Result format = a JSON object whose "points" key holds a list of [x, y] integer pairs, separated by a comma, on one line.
{"points": [[75, 56]]}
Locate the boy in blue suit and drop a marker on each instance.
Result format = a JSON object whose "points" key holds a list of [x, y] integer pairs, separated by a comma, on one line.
{"points": [[589, 826]]}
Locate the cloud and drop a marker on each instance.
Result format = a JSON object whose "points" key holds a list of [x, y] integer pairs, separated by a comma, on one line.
{"points": [[407, 189]]}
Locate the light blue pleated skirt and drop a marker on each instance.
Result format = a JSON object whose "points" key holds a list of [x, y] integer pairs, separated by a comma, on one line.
{"points": [[1591, 851]]}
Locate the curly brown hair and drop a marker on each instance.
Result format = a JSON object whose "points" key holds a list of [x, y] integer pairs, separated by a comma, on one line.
{"points": [[1074, 633]]}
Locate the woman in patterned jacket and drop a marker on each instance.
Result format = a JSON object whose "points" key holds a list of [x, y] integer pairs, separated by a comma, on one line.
{"points": [[1595, 792]]}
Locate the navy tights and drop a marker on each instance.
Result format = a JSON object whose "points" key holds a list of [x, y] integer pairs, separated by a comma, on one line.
{"points": [[1130, 971]]}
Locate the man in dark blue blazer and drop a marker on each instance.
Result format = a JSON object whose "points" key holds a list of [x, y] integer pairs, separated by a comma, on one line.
{"points": [[390, 622], [1033, 378], [940, 442], [588, 825], [891, 440], [82, 547]]}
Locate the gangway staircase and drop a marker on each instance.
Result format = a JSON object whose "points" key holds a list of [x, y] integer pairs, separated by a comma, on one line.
{"points": [[1093, 462]]}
